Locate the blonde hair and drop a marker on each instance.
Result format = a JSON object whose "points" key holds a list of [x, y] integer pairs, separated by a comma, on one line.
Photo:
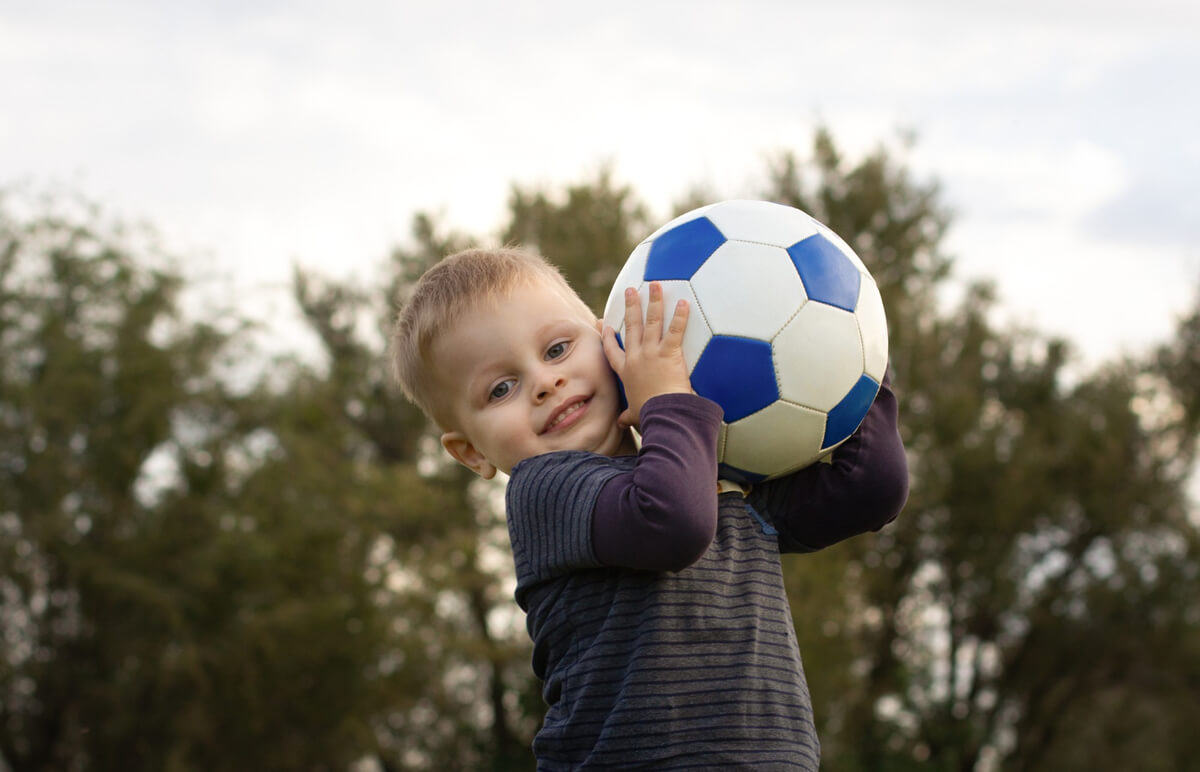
{"points": [[443, 294]]}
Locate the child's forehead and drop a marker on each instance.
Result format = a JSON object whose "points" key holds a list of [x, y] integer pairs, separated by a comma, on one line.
{"points": [[535, 293], [534, 305]]}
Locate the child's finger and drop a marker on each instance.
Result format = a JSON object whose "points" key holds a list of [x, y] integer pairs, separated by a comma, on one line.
{"points": [[654, 313], [678, 323], [633, 317]]}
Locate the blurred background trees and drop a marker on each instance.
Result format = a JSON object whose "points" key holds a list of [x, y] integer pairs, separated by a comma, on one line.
{"points": [[215, 558]]}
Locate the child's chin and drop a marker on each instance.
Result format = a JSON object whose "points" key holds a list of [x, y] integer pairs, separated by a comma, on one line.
{"points": [[623, 444]]}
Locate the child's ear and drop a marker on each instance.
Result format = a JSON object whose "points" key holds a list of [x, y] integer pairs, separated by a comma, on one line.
{"points": [[458, 446]]}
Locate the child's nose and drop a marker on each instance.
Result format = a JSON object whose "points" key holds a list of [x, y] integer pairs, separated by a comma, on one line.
{"points": [[548, 384]]}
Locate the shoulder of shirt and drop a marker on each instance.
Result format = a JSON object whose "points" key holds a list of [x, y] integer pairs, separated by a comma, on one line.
{"points": [[558, 459]]}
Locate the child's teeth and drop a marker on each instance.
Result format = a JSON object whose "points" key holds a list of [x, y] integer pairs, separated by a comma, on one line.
{"points": [[565, 413]]}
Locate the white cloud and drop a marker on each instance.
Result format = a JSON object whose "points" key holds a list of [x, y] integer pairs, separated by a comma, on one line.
{"points": [[1104, 298]]}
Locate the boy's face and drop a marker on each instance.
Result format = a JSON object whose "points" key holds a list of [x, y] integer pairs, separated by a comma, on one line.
{"points": [[524, 376]]}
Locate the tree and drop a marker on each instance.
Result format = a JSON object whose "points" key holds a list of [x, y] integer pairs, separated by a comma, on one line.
{"points": [[1025, 600], [92, 375], [588, 234], [179, 588]]}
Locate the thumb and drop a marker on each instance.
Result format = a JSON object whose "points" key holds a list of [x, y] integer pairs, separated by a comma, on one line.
{"points": [[612, 349]]}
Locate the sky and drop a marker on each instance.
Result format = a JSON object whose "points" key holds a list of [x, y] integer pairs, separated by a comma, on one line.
{"points": [[258, 135]]}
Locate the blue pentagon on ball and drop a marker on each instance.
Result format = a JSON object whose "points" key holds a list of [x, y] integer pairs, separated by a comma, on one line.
{"points": [[829, 277], [679, 252], [736, 373], [846, 415]]}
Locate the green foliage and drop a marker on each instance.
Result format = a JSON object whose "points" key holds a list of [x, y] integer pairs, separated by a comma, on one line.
{"points": [[1045, 568], [185, 571], [588, 235]]}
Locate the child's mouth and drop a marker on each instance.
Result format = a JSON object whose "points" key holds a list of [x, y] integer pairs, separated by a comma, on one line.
{"points": [[566, 416]]}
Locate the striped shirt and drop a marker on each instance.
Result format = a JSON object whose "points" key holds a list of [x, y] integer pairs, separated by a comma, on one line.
{"points": [[694, 666]]}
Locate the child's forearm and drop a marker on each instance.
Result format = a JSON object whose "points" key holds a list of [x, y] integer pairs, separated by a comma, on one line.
{"points": [[662, 516], [863, 489]]}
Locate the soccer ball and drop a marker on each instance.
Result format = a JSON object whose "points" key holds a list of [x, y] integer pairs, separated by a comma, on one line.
{"points": [[787, 331]]}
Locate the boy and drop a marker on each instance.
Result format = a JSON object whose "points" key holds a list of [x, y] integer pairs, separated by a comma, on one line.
{"points": [[656, 605]]}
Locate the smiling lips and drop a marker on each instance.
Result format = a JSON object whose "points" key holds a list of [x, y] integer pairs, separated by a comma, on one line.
{"points": [[566, 415]]}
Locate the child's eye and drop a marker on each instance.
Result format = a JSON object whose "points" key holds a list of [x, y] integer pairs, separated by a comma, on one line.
{"points": [[500, 390], [556, 350]]}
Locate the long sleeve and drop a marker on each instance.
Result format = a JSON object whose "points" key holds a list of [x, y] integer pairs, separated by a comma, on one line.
{"points": [[662, 515], [863, 488]]}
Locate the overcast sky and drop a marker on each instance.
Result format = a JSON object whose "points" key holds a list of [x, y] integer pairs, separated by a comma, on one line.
{"points": [[259, 134]]}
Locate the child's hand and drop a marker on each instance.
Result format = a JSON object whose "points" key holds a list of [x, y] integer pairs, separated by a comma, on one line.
{"points": [[652, 362]]}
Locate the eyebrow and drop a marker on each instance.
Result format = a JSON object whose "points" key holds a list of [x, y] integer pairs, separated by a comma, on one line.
{"points": [[565, 321]]}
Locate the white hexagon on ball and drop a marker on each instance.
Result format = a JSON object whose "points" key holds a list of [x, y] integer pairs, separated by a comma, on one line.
{"points": [[767, 441], [762, 222], [749, 309], [824, 334], [872, 326]]}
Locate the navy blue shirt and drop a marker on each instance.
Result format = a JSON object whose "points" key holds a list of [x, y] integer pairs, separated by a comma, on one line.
{"points": [[656, 606]]}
